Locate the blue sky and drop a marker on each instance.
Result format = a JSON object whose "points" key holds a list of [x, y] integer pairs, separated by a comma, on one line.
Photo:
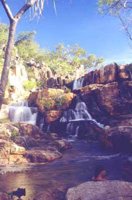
{"points": [[77, 22]]}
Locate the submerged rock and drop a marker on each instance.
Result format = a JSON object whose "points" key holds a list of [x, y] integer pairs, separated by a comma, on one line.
{"points": [[101, 190], [41, 156], [62, 144]]}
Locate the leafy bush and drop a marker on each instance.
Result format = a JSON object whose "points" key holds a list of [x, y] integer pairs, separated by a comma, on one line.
{"points": [[30, 84]]}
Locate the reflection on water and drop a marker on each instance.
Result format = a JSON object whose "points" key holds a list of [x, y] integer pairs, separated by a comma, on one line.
{"points": [[77, 165]]}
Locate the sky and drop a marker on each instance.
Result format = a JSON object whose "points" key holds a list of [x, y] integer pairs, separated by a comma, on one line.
{"points": [[76, 22]]}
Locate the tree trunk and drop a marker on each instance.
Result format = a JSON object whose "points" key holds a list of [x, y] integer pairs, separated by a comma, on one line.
{"points": [[7, 59]]}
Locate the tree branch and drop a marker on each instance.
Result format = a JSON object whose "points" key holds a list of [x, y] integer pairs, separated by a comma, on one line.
{"points": [[7, 10], [24, 9], [125, 27]]}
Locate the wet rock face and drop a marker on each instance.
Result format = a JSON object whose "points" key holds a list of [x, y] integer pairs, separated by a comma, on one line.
{"points": [[101, 190]]}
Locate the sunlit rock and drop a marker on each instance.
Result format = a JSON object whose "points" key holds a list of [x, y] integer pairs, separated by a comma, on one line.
{"points": [[11, 153], [124, 73], [8, 130], [101, 190], [51, 99]]}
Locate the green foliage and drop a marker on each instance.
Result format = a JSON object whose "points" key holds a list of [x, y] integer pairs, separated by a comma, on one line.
{"points": [[28, 49], [1, 60], [64, 60], [3, 34], [60, 100], [25, 36], [121, 9], [14, 134], [111, 6], [3, 40], [30, 84], [55, 99]]}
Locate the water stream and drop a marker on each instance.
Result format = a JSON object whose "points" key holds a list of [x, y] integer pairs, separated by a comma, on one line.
{"points": [[46, 181], [77, 165]]}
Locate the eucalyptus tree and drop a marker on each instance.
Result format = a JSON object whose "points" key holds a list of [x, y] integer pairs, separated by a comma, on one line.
{"points": [[120, 8], [37, 7]]}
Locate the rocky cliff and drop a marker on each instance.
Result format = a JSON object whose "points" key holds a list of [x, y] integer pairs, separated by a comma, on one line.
{"points": [[107, 92]]}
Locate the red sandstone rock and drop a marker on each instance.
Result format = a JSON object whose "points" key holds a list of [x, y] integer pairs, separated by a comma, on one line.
{"points": [[108, 74], [52, 115]]}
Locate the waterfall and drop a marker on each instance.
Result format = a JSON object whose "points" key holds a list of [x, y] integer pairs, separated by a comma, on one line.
{"points": [[73, 118], [78, 83], [20, 112], [79, 113]]}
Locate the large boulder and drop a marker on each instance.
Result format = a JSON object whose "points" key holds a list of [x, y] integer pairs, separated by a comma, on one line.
{"points": [[112, 99], [108, 97], [118, 138], [108, 74], [101, 190], [50, 99], [29, 130]]}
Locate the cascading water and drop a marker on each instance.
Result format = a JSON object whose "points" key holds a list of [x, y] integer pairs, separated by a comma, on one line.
{"points": [[75, 116], [78, 83], [20, 112]]}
